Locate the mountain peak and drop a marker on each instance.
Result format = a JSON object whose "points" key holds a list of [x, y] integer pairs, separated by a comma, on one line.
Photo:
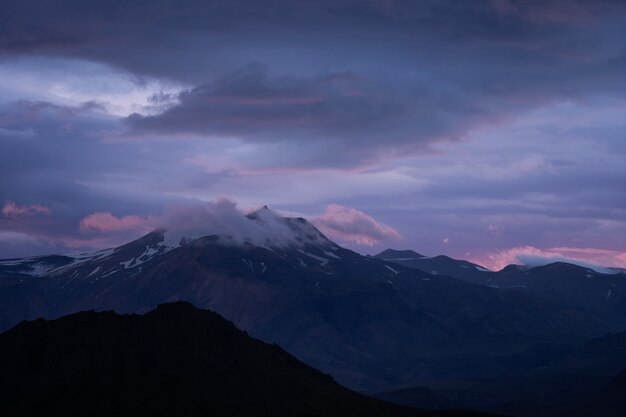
{"points": [[265, 210], [399, 254], [263, 227]]}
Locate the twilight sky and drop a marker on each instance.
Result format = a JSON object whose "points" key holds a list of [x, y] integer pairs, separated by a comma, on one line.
{"points": [[490, 130]]}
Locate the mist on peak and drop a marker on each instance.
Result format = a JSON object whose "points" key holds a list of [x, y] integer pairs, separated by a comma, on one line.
{"points": [[222, 218]]}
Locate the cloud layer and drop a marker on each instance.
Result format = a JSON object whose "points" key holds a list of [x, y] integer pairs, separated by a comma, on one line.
{"points": [[374, 80], [466, 127], [261, 227]]}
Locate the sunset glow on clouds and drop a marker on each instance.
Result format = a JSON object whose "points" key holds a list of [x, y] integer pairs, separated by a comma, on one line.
{"points": [[106, 222], [530, 256], [490, 130], [345, 224], [13, 211]]}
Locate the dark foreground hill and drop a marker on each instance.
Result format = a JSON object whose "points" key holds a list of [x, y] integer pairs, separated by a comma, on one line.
{"points": [[174, 361], [610, 401]]}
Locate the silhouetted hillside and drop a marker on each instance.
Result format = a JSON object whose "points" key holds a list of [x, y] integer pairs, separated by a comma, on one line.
{"points": [[174, 361], [611, 401]]}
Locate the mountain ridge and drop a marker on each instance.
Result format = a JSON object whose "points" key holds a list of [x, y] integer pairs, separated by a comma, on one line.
{"points": [[602, 294]]}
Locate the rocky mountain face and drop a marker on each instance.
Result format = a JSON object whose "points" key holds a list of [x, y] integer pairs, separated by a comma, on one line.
{"points": [[176, 360], [370, 323]]}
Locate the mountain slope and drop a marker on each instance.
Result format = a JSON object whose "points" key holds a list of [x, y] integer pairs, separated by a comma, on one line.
{"points": [[176, 360]]}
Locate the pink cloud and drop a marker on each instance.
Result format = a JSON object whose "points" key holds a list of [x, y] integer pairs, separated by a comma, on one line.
{"points": [[107, 222], [13, 211], [349, 224], [531, 256]]}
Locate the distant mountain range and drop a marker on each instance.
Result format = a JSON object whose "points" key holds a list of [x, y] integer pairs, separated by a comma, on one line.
{"points": [[394, 321], [174, 361], [567, 377], [602, 294]]}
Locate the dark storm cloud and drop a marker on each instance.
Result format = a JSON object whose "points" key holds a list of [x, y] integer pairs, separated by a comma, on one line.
{"points": [[34, 23], [251, 101], [375, 79], [335, 109], [149, 37], [365, 119]]}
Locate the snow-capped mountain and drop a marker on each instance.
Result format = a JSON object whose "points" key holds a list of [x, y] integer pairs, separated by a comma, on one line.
{"points": [[367, 321]]}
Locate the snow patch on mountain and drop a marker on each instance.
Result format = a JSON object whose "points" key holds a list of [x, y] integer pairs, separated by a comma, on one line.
{"points": [[95, 271], [392, 270], [323, 261]]}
